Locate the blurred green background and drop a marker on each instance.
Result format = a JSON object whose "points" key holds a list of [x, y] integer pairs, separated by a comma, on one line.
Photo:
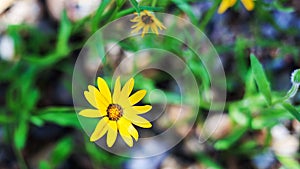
{"points": [[39, 44]]}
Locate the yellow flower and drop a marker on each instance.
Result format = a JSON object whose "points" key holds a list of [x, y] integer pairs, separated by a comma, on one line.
{"points": [[117, 111], [225, 4], [146, 20]]}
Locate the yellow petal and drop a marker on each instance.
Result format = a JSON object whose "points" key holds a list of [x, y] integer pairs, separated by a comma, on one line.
{"points": [[133, 132], [101, 102], [146, 12], [130, 86], [225, 4], [100, 129], [142, 109], [159, 24], [154, 29], [91, 99], [232, 2], [137, 25], [137, 96], [117, 90], [135, 19], [135, 119], [112, 133], [123, 101], [123, 129], [249, 4], [127, 89], [104, 90], [92, 113], [146, 30], [136, 29], [131, 129]]}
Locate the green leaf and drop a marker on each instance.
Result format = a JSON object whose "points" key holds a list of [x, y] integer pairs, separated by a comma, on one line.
{"points": [[4, 118], [239, 114], [36, 120], [120, 3], [63, 116], [207, 161], [64, 33], [135, 4], [261, 79], [32, 98], [44, 165], [184, 6], [282, 8], [99, 15], [209, 15], [100, 156], [61, 151], [288, 162], [250, 88], [240, 47], [20, 135], [234, 136], [292, 110], [150, 8], [269, 118]]}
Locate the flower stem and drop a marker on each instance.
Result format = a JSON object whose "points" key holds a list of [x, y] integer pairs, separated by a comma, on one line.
{"points": [[292, 92]]}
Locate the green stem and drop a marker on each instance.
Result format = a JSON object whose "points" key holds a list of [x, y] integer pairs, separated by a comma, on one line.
{"points": [[20, 159], [291, 93], [125, 12], [135, 4], [154, 3], [209, 15]]}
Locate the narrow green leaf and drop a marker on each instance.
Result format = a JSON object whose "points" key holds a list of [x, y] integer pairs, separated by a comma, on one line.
{"points": [[289, 162], [239, 50], [120, 3], [234, 136], [239, 114], [250, 88], [292, 110], [269, 118], [150, 8], [209, 15], [99, 15], [32, 98], [20, 135], [61, 151], [135, 4], [37, 121], [207, 161], [64, 116], [261, 79], [44, 165], [64, 33], [184, 6], [282, 8]]}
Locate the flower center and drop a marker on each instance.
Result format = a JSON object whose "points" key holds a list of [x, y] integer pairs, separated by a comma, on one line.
{"points": [[114, 112], [147, 19]]}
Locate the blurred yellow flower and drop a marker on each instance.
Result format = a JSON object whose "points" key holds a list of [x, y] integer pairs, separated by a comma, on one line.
{"points": [[225, 4], [117, 111], [146, 20]]}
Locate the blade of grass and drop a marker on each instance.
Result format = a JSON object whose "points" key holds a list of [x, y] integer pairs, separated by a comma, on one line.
{"points": [[292, 110], [261, 79], [135, 4]]}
